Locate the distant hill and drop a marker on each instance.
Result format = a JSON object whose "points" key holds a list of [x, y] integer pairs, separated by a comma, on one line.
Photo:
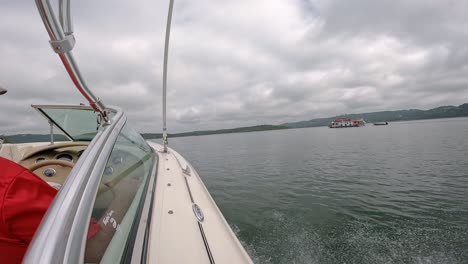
{"points": [[390, 116], [384, 116], [213, 132], [25, 138]]}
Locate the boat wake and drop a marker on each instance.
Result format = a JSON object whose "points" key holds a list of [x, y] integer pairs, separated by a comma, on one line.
{"points": [[289, 241]]}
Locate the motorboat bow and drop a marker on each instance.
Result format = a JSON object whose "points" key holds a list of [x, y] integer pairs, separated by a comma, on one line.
{"points": [[380, 123]]}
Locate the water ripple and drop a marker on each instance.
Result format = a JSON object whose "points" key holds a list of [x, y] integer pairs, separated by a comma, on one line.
{"points": [[390, 195]]}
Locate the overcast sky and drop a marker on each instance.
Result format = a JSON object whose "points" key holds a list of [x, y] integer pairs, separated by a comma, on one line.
{"points": [[239, 62]]}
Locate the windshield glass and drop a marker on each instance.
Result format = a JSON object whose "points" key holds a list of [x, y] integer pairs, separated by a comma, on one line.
{"points": [[78, 124], [118, 204]]}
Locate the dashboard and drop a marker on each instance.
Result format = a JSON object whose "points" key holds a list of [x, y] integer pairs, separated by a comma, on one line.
{"points": [[52, 156], [53, 164]]}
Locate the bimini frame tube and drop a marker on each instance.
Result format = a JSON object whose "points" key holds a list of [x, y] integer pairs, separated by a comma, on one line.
{"points": [[62, 42], [65, 17], [166, 55]]}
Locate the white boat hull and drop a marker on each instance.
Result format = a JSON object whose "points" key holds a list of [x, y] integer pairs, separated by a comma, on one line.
{"points": [[176, 235]]}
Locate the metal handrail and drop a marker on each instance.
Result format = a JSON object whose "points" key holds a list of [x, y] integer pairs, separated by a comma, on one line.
{"points": [[78, 231], [61, 225], [62, 42]]}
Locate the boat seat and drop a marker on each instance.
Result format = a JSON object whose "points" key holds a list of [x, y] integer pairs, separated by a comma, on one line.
{"points": [[10, 152], [15, 152]]}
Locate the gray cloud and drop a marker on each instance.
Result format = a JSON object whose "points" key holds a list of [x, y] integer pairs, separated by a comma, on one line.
{"points": [[238, 63]]}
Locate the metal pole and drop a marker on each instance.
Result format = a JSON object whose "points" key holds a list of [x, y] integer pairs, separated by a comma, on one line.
{"points": [[166, 54], [62, 43], [51, 132], [65, 17], [2, 91]]}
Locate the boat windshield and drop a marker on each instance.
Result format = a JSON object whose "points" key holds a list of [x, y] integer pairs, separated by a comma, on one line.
{"points": [[79, 124]]}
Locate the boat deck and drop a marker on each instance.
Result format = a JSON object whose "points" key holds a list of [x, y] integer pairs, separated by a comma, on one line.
{"points": [[178, 188]]}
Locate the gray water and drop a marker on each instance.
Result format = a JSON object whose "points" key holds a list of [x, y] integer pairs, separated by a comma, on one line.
{"points": [[376, 194]]}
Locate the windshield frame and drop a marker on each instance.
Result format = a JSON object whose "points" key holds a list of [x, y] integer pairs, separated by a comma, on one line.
{"points": [[40, 109]]}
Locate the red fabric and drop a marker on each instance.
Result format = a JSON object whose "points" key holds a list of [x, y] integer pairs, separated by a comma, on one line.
{"points": [[24, 199], [94, 228]]}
